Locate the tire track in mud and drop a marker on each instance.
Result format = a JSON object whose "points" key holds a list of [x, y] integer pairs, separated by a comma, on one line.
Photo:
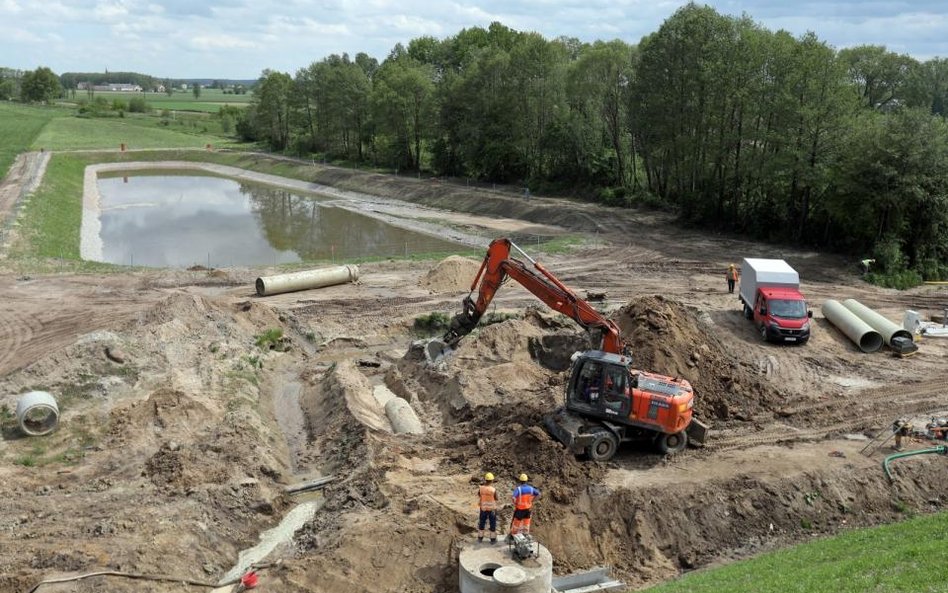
{"points": [[931, 402], [15, 330]]}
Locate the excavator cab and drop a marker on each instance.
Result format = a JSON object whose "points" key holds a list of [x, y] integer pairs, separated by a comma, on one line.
{"points": [[600, 386]]}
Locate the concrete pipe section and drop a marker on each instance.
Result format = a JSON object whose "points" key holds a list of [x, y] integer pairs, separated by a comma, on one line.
{"points": [[37, 413], [270, 285], [490, 568], [403, 417], [879, 323], [857, 330]]}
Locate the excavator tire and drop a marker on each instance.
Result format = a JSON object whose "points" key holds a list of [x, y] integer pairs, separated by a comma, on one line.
{"points": [[672, 443], [604, 446]]}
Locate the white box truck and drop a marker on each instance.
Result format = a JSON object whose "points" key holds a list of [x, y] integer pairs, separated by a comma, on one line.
{"points": [[770, 294]]}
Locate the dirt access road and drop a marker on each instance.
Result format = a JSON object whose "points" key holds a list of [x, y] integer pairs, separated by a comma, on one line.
{"points": [[172, 455]]}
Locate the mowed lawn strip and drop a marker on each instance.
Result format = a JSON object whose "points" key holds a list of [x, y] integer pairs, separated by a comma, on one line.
{"points": [[906, 557], [74, 133], [50, 219], [19, 127]]}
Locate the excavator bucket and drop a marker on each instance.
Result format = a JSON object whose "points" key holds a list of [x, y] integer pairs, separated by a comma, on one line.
{"points": [[435, 350], [697, 432]]}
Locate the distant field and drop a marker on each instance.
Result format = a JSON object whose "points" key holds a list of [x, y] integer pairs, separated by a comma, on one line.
{"points": [[19, 127], [70, 133], [210, 100], [907, 557]]}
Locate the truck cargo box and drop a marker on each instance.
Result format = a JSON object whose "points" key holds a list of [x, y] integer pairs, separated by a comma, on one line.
{"points": [[756, 273]]}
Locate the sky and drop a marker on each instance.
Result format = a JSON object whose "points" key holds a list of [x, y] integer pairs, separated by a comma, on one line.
{"points": [[237, 39]]}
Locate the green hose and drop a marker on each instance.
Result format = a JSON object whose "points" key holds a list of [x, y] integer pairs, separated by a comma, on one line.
{"points": [[940, 449]]}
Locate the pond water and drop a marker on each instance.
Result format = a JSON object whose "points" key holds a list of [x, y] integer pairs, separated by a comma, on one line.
{"points": [[185, 219]]}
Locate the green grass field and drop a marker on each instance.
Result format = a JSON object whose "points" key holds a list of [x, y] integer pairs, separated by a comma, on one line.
{"points": [[19, 127], [907, 557], [210, 100], [72, 133]]}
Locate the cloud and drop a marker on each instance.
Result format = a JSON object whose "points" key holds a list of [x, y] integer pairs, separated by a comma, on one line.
{"points": [[221, 41], [198, 38]]}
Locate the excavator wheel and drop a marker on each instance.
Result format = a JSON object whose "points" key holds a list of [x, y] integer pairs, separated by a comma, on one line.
{"points": [[604, 446], [672, 443]]}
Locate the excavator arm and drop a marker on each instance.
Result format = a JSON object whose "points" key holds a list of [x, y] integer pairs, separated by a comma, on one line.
{"points": [[498, 266]]}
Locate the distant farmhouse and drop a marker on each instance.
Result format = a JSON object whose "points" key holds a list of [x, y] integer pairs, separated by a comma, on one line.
{"points": [[120, 87]]}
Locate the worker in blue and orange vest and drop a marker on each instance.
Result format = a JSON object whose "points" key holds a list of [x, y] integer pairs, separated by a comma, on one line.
{"points": [[523, 497], [487, 503]]}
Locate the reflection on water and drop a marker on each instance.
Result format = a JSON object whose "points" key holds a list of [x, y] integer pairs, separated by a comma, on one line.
{"points": [[182, 220]]}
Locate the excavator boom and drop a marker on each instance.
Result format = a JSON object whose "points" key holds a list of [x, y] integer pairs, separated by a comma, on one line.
{"points": [[498, 266]]}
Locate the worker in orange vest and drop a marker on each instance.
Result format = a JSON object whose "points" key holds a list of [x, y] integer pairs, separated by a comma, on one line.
{"points": [[487, 497], [732, 276], [523, 497]]}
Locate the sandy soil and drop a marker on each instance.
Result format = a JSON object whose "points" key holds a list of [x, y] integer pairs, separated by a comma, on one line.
{"points": [[175, 459]]}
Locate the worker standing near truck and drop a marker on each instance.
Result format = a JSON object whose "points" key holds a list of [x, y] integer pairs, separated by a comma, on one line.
{"points": [[487, 503], [731, 276], [523, 497]]}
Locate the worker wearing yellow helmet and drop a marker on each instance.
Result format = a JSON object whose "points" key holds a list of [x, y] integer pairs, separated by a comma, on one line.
{"points": [[523, 497], [487, 503]]}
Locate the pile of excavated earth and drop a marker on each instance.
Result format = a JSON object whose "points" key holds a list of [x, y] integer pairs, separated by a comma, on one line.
{"points": [[185, 419]]}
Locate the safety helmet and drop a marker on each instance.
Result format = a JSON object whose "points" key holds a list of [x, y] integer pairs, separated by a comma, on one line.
{"points": [[489, 477], [523, 478]]}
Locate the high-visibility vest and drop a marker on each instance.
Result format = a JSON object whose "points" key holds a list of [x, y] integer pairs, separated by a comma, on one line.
{"points": [[732, 273], [523, 497], [488, 496]]}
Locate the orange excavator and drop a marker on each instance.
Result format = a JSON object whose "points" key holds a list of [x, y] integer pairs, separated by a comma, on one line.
{"points": [[607, 401]]}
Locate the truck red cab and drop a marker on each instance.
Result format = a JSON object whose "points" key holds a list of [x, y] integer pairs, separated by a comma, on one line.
{"points": [[770, 293]]}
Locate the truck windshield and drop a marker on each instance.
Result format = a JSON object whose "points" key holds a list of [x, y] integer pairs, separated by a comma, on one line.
{"points": [[787, 309]]}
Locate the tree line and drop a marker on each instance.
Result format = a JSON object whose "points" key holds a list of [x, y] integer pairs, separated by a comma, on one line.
{"points": [[737, 127]]}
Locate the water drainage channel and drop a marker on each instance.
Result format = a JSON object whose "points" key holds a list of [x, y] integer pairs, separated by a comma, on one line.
{"points": [[272, 539], [289, 416]]}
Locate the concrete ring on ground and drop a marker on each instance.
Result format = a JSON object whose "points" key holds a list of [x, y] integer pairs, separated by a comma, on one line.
{"points": [[37, 413]]}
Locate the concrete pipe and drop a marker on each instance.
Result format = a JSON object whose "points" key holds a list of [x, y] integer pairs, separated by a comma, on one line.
{"points": [[857, 330], [403, 417], [879, 323], [270, 285], [37, 413], [485, 568]]}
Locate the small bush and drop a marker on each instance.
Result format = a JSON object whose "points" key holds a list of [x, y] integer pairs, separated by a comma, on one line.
{"points": [[137, 105], [432, 323], [270, 338]]}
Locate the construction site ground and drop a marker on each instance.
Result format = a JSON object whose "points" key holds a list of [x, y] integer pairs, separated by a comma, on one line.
{"points": [[174, 451]]}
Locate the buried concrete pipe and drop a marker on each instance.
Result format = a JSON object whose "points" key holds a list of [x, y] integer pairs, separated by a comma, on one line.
{"points": [[403, 417], [37, 413], [857, 330], [886, 328], [307, 279]]}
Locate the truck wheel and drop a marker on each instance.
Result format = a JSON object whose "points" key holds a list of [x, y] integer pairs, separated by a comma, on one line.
{"points": [[763, 332], [672, 443], [748, 312], [603, 447]]}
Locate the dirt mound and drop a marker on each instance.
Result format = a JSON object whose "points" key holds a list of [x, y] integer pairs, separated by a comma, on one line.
{"points": [[452, 274], [492, 366], [669, 338]]}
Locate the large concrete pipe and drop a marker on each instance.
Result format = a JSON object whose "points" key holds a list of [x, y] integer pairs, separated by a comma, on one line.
{"points": [[270, 285], [857, 330], [879, 323], [37, 413], [403, 417], [485, 568]]}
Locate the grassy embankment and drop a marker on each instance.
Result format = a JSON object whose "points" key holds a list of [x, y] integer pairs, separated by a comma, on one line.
{"points": [[907, 557], [19, 127]]}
